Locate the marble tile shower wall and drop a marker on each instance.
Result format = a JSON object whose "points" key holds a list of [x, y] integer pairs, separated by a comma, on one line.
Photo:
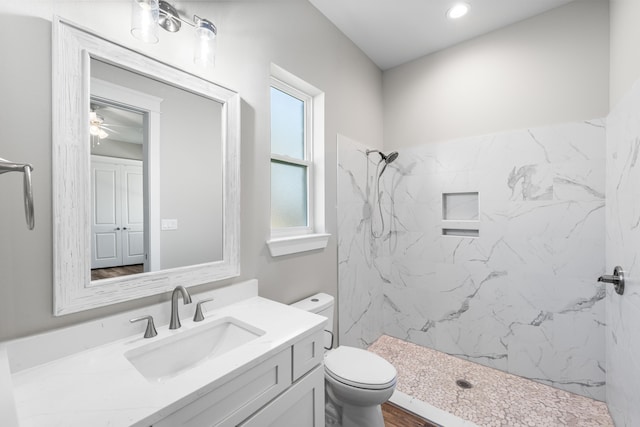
{"points": [[523, 296], [362, 263], [623, 248]]}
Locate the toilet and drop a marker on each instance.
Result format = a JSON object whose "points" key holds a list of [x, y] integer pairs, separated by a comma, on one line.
{"points": [[356, 382]]}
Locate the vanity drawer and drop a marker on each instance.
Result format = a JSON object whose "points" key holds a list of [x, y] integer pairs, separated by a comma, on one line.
{"points": [[234, 401], [307, 354]]}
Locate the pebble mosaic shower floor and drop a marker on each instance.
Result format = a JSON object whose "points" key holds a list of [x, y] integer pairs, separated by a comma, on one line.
{"points": [[495, 399]]}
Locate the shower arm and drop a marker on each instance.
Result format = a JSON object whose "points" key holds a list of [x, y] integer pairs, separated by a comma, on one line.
{"points": [[382, 156], [25, 168]]}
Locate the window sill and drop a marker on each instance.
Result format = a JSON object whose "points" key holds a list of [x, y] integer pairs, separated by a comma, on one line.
{"points": [[291, 245]]}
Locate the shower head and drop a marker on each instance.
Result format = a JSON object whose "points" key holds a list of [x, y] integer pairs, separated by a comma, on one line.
{"points": [[390, 157], [387, 158]]}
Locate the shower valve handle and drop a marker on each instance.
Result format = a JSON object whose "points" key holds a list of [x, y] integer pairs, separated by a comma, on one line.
{"points": [[617, 279]]}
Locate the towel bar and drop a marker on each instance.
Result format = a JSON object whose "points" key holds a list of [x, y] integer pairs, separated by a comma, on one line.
{"points": [[25, 168]]}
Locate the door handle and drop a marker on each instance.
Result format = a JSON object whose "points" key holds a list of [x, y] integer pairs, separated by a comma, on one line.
{"points": [[617, 279], [117, 228]]}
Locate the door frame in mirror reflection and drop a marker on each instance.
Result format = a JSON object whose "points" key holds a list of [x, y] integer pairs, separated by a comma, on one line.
{"points": [[73, 290], [117, 95], [117, 213]]}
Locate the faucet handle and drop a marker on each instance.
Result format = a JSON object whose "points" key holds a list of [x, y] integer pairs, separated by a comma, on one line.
{"points": [[150, 332], [199, 317]]}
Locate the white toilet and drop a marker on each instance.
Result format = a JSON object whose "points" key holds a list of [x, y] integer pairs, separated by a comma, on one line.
{"points": [[357, 381]]}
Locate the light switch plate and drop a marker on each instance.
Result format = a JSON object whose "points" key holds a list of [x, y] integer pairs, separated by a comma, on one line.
{"points": [[169, 224]]}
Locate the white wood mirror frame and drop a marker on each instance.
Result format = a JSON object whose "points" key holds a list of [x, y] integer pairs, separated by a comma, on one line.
{"points": [[73, 290]]}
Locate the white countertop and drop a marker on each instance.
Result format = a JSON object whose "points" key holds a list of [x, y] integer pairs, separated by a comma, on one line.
{"points": [[100, 387]]}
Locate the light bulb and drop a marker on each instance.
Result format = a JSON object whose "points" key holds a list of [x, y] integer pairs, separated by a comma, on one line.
{"points": [[144, 20], [204, 51], [458, 11]]}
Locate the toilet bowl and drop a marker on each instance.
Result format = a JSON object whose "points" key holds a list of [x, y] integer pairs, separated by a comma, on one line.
{"points": [[357, 381]]}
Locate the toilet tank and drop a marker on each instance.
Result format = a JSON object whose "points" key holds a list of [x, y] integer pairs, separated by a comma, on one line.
{"points": [[321, 304]]}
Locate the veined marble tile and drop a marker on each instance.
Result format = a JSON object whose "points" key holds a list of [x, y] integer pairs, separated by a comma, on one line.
{"points": [[579, 180], [522, 296], [531, 182], [623, 248], [362, 266]]}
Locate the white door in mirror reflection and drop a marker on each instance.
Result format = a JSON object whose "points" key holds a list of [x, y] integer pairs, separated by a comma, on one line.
{"points": [[117, 221]]}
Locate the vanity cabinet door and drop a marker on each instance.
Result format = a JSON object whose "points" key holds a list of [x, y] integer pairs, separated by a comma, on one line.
{"points": [[307, 354], [302, 405], [231, 403]]}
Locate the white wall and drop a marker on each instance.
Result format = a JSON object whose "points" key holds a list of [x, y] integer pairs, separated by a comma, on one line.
{"points": [[552, 68], [625, 61], [291, 33]]}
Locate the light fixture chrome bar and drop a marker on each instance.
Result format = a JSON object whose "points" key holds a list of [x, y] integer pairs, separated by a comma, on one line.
{"points": [[171, 20], [204, 24], [169, 17]]}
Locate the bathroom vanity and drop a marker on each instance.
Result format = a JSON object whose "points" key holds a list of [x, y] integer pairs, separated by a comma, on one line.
{"points": [[251, 362]]}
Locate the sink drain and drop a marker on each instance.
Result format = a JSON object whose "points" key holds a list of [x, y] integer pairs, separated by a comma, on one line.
{"points": [[463, 384]]}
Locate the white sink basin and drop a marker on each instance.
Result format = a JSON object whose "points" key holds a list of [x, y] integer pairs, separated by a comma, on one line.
{"points": [[185, 349]]}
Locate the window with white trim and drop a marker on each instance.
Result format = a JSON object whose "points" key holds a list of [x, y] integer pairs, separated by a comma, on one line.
{"points": [[297, 165], [291, 161]]}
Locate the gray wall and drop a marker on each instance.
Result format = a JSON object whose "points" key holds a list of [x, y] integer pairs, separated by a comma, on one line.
{"points": [[292, 34], [552, 68], [625, 61], [119, 149]]}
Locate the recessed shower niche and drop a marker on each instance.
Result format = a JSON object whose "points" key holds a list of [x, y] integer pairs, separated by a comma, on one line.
{"points": [[460, 214]]}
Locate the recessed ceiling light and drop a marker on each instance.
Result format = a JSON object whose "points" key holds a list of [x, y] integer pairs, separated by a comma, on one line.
{"points": [[458, 11]]}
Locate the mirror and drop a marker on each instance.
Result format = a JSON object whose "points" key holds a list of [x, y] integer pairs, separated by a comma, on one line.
{"points": [[122, 105], [145, 175]]}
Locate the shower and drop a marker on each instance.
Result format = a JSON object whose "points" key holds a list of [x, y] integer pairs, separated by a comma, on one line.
{"points": [[385, 159]]}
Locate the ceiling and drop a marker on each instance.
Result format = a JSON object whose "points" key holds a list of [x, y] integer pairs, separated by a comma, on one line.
{"points": [[392, 32]]}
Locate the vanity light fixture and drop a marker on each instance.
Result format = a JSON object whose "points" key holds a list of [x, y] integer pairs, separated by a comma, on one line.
{"points": [[458, 11], [148, 15]]}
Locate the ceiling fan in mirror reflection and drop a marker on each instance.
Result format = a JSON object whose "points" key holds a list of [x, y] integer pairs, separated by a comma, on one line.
{"points": [[109, 122], [97, 128]]}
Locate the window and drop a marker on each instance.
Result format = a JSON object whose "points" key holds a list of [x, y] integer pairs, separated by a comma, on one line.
{"points": [[297, 165], [291, 160]]}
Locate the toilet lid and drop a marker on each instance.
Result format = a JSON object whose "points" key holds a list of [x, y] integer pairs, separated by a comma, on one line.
{"points": [[359, 368]]}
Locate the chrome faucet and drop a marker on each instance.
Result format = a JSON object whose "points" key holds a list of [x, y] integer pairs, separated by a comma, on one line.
{"points": [[175, 318]]}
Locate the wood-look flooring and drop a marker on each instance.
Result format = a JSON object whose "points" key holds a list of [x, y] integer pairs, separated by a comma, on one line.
{"points": [[395, 416], [125, 270]]}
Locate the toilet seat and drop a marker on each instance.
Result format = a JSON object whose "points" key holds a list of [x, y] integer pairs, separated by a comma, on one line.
{"points": [[359, 368]]}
